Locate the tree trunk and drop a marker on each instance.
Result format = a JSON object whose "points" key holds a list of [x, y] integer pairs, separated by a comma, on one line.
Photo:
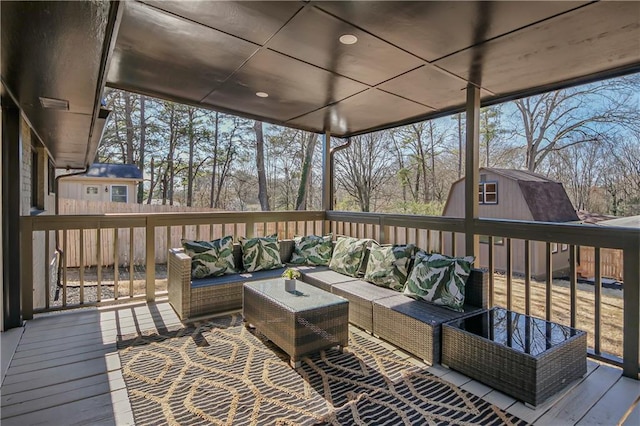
{"points": [[190, 165], [152, 184], [143, 138], [262, 178], [460, 146], [212, 195], [305, 179], [128, 112]]}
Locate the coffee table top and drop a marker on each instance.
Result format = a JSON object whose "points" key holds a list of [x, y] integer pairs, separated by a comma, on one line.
{"points": [[517, 331], [304, 298]]}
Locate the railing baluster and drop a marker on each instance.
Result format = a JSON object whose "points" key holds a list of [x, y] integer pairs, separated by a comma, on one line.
{"points": [[64, 268], [509, 275], [99, 263], [573, 284], [527, 277], [441, 242], [82, 266], [131, 262], [597, 293], [549, 282], [198, 232], [453, 243], [116, 262], [47, 273], [428, 242], [150, 259], [492, 270]]}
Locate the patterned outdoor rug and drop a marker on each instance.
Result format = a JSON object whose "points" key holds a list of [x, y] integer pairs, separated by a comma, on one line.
{"points": [[220, 372]]}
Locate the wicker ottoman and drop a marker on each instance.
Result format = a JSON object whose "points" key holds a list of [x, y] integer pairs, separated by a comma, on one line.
{"points": [[414, 325], [522, 356], [300, 322]]}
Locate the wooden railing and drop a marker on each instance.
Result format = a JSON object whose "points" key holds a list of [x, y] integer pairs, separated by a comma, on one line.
{"points": [[612, 321], [84, 260]]}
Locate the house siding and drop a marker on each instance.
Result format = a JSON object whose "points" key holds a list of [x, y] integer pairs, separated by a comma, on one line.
{"points": [[42, 258]]}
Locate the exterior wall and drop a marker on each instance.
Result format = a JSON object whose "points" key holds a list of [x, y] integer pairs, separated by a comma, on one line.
{"points": [[511, 205], [43, 257], [73, 188]]}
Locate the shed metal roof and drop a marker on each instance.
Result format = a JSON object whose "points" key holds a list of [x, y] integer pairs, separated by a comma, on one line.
{"points": [[113, 171]]}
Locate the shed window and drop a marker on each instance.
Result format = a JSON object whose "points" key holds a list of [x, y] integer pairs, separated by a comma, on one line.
{"points": [[488, 193], [119, 193], [497, 241], [92, 190]]}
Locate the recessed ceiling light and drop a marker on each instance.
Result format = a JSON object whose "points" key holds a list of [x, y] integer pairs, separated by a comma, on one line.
{"points": [[348, 39], [53, 103], [262, 94]]}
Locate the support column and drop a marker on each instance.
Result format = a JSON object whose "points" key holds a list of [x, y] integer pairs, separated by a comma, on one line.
{"points": [[472, 178], [11, 187], [631, 317], [327, 176]]}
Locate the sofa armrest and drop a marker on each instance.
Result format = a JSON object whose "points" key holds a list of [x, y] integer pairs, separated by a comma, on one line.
{"points": [[179, 282], [477, 289]]}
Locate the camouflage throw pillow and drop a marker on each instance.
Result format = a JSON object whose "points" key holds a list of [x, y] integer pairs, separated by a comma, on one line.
{"points": [[388, 266], [348, 255], [260, 254], [213, 258], [312, 250], [439, 279]]}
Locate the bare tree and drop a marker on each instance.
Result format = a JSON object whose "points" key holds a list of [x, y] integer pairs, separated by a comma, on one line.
{"points": [[263, 197], [309, 142], [143, 142], [556, 120], [363, 168]]}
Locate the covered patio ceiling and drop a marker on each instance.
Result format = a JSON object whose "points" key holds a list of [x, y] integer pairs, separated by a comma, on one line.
{"points": [[411, 61]]}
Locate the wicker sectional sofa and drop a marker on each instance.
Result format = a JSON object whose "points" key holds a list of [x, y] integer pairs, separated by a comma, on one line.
{"points": [[413, 325]]}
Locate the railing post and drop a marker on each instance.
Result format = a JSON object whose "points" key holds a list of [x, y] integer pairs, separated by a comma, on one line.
{"points": [[631, 318], [150, 253], [26, 266]]}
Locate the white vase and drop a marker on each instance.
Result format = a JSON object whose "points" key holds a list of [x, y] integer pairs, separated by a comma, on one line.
{"points": [[290, 285]]}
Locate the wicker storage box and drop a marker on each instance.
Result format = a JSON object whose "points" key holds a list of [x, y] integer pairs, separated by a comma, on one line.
{"points": [[531, 368]]}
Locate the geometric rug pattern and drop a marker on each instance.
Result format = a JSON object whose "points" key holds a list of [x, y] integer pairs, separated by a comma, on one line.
{"points": [[220, 372]]}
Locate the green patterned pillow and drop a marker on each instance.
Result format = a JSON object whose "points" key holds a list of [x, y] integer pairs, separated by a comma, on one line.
{"points": [[213, 258], [261, 253], [439, 279], [312, 250], [388, 266], [348, 255]]}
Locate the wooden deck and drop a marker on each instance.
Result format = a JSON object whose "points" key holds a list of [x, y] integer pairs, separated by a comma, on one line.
{"points": [[66, 370]]}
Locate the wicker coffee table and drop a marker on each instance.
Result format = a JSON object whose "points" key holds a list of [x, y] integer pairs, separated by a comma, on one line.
{"points": [[522, 356], [300, 322]]}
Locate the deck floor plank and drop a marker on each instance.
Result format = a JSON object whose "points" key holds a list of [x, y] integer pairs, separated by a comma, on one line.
{"points": [[78, 391], [50, 376], [611, 408], [633, 419], [573, 406], [87, 411]]}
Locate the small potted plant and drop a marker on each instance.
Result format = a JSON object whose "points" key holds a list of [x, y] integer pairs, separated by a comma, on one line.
{"points": [[290, 276]]}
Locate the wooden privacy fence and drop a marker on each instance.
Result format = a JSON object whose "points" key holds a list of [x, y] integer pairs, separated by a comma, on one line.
{"points": [[611, 265], [129, 242]]}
